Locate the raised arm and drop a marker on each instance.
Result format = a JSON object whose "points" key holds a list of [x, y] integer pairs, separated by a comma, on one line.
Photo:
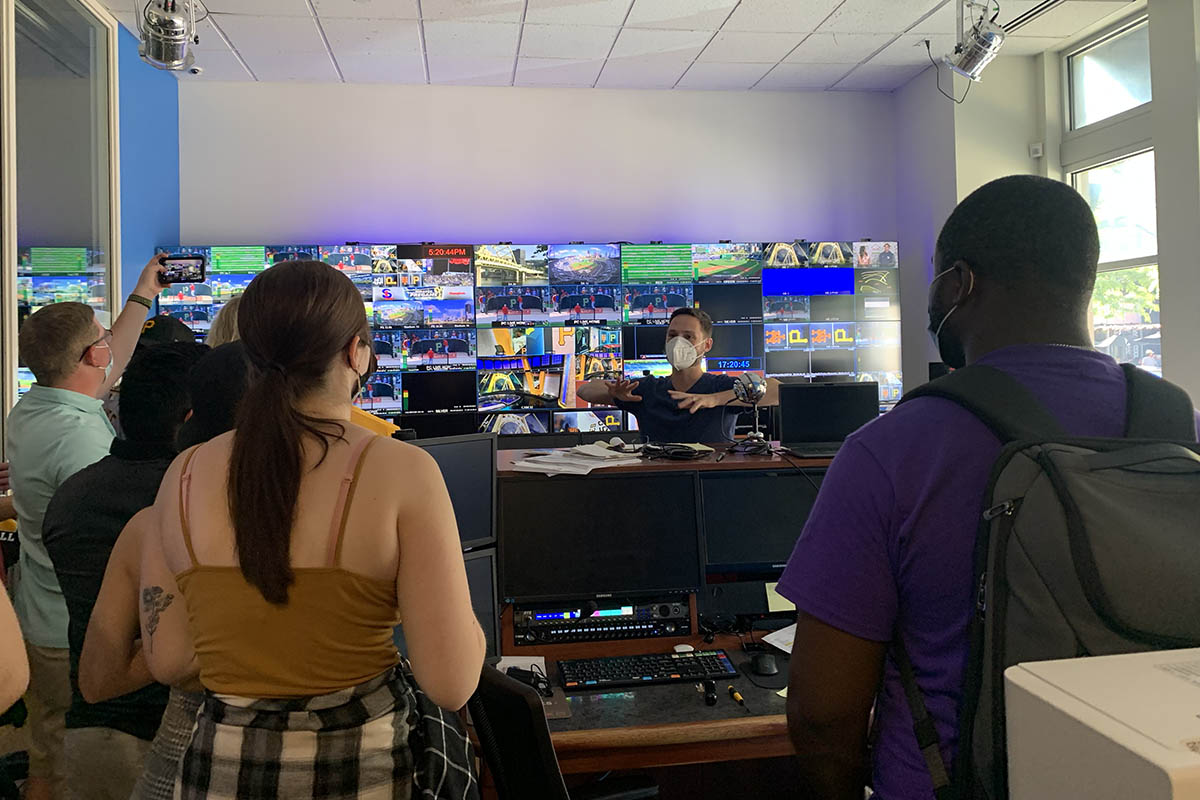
{"points": [[127, 327], [605, 393], [445, 642], [112, 663], [14, 665]]}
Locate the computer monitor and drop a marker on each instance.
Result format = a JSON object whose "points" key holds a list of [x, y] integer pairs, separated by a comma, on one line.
{"points": [[468, 465], [481, 583], [752, 519], [570, 538], [825, 412]]}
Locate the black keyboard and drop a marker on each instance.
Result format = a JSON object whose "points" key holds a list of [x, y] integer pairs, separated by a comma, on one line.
{"points": [[603, 673]]}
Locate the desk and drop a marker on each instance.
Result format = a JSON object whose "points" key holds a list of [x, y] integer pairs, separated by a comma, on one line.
{"points": [[664, 725]]}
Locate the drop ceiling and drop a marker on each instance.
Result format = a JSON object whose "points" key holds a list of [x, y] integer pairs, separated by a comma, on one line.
{"points": [[840, 45]]}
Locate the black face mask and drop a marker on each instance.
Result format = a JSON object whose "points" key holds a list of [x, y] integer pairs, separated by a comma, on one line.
{"points": [[950, 348]]}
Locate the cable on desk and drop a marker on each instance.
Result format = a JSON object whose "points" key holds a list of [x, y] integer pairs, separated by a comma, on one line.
{"points": [[786, 455]]}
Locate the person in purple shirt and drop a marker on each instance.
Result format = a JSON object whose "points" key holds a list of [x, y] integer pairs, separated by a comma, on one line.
{"points": [[888, 547]]}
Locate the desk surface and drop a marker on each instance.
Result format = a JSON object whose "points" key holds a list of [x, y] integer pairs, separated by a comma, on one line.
{"points": [[709, 463]]}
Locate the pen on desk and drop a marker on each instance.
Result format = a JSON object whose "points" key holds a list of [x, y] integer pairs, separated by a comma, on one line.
{"points": [[721, 455], [737, 698]]}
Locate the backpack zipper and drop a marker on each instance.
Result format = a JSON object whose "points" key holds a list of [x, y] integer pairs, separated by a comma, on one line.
{"points": [[1005, 509]]}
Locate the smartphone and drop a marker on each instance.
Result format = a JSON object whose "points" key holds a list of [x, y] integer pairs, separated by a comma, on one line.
{"points": [[182, 269]]}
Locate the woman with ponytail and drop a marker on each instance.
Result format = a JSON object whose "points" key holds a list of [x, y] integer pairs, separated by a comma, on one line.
{"points": [[284, 554]]}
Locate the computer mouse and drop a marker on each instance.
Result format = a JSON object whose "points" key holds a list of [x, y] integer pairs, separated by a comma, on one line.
{"points": [[764, 664]]}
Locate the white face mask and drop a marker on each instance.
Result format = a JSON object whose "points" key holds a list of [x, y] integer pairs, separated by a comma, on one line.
{"points": [[681, 353]]}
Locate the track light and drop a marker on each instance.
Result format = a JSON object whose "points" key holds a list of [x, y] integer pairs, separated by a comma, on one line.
{"points": [[978, 46], [166, 28]]}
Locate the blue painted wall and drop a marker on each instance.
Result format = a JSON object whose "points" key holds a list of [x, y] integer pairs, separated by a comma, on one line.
{"points": [[149, 116]]}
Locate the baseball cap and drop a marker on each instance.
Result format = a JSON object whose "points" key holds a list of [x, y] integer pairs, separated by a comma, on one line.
{"points": [[163, 329]]}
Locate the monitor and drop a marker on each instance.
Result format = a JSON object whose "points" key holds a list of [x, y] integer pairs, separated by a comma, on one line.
{"points": [[468, 465], [481, 583], [788, 362], [730, 302], [599, 536], [824, 412], [439, 392], [727, 262], [584, 263], [831, 308], [752, 519], [656, 263], [807, 282], [428, 426]]}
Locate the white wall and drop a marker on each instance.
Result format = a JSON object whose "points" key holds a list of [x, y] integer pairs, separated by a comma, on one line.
{"points": [[926, 193], [995, 125], [331, 162]]}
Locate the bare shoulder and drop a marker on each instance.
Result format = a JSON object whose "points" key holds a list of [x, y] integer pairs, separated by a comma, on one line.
{"points": [[401, 455]]}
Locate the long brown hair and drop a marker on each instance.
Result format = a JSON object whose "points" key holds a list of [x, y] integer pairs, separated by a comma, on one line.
{"points": [[295, 319]]}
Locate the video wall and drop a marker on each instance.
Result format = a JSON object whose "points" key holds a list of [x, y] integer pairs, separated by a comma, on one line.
{"points": [[499, 337]]}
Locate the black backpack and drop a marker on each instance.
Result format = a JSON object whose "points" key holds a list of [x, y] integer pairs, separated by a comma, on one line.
{"points": [[1085, 547]]}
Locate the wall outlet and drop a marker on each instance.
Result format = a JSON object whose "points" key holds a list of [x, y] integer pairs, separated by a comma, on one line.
{"points": [[1035, 150]]}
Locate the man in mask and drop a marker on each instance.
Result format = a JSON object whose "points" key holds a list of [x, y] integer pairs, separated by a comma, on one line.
{"points": [[690, 406], [888, 546]]}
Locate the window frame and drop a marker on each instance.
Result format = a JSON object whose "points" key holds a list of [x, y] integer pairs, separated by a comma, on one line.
{"points": [[1072, 173], [1106, 35]]}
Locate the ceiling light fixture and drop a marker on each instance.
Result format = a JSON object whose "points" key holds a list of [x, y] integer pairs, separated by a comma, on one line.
{"points": [[978, 46], [166, 28]]}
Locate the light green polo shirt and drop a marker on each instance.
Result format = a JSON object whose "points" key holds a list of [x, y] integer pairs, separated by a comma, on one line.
{"points": [[52, 434]]}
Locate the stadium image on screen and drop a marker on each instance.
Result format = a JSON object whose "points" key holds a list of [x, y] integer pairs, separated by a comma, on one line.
{"points": [[237, 259], [24, 290], [186, 294], [195, 316], [654, 304], [830, 254], [72, 289], [588, 421], [509, 424], [56, 260], [446, 348], [584, 263], [502, 342], [348, 258], [449, 313], [876, 254], [511, 305], [586, 305], [383, 393], [656, 263], [225, 287], [642, 367], [389, 348], [398, 314], [449, 272], [512, 265], [527, 387], [278, 253], [784, 255], [736, 262]]}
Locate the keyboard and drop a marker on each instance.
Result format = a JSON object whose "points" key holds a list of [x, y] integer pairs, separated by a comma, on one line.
{"points": [[602, 673]]}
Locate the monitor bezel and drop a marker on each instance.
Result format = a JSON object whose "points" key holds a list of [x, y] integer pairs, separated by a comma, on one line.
{"points": [[493, 554], [471, 544]]}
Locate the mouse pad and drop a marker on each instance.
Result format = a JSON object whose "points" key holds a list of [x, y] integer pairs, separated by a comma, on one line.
{"points": [[557, 706]]}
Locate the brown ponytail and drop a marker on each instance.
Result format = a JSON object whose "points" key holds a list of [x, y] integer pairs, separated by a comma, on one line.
{"points": [[295, 319]]}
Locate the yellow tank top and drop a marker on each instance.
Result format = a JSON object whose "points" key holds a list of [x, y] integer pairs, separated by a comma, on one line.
{"points": [[334, 632]]}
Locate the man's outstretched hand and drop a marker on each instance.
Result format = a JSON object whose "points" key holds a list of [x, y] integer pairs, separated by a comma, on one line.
{"points": [[694, 402], [623, 391]]}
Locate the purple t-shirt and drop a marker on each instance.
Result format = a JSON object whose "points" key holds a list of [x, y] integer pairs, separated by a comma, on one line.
{"points": [[889, 542]]}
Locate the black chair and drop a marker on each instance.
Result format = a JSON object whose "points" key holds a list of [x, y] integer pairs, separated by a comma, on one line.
{"points": [[511, 725]]}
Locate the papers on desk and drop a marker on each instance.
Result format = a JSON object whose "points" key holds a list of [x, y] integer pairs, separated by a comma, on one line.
{"points": [[579, 460], [782, 638]]}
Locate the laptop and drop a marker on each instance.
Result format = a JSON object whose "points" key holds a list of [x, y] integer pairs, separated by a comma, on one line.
{"points": [[816, 418]]}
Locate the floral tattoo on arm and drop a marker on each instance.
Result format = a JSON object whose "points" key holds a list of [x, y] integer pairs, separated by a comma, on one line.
{"points": [[154, 602]]}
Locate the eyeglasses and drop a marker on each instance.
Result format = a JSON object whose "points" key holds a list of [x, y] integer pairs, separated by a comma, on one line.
{"points": [[103, 341]]}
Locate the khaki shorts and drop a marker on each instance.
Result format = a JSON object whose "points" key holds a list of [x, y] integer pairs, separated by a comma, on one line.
{"points": [[103, 763], [48, 698]]}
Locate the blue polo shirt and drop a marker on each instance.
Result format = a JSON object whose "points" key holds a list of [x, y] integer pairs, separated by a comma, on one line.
{"points": [[52, 434], [661, 420]]}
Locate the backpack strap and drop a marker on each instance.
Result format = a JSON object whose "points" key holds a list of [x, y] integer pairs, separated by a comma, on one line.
{"points": [[923, 727], [999, 401], [1156, 409]]}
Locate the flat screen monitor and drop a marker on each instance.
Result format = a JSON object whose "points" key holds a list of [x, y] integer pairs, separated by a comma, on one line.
{"points": [[599, 536], [481, 583], [807, 282], [439, 392], [468, 465], [727, 302], [752, 519], [429, 426], [824, 412]]}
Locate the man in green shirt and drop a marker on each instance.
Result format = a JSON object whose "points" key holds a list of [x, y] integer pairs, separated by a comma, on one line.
{"points": [[56, 429]]}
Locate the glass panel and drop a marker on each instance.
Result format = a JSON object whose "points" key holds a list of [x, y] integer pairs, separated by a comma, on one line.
{"points": [[1111, 77], [1125, 321], [62, 157], [1121, 195]]}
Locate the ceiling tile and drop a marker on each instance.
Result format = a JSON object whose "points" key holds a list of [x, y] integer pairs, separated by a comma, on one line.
{"points": [[210, 38], [803, 76], [682, 44], [271, 34], [260, 8], [292, 66], [838, 48], [578, 42], [472, 39], [577, 12], [1029, 45], [704, 75], [657, 71], [944, 20], [1071, 17], [690, 15], [347, 35], [217, 66], [473, 10], [477, 70], [909, 50], [733, 47], [794, 16], [879, 16], [367, 9], [557, 72], [382, 67], [879, 78]]}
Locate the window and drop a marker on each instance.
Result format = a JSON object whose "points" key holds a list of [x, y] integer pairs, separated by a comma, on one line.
{"points": [[1121, 194], [1125, 320], [1110, 76]]}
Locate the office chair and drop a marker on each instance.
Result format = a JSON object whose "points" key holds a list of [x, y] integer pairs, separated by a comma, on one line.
{"points": [[515, 739]]}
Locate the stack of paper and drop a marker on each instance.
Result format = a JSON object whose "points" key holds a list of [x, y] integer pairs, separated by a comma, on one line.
{"points": [[579, 460]]}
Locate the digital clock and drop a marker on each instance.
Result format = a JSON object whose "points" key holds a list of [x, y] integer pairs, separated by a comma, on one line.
{"points": [[447, 251]]}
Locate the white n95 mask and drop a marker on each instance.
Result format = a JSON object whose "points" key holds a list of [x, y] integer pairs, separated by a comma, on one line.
{"points": [[681, 353]]}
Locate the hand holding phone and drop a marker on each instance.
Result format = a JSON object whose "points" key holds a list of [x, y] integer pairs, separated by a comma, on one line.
{"points": [[182, 269]]}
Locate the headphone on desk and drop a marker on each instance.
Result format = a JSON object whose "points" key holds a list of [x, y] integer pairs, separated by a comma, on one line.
{"points": [[675, 452]]}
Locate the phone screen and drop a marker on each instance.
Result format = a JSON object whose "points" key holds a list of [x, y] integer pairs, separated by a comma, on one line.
{"points": [[183, 269]]}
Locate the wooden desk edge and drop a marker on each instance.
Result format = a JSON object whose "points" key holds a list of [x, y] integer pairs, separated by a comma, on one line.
{"points": [[722, 730]]}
